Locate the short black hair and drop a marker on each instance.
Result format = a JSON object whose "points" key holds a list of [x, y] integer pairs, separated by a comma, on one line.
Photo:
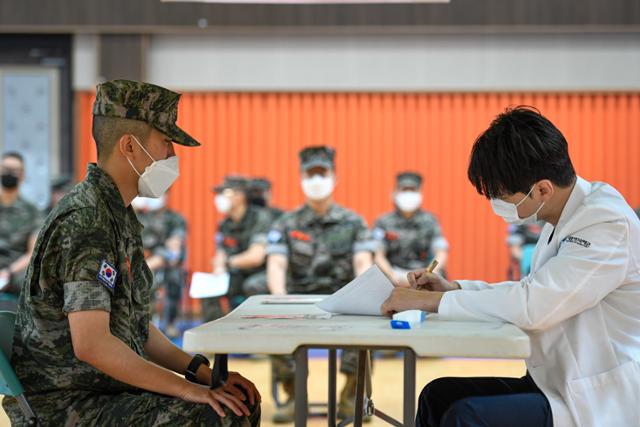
{"points": [[107, 131], [520, 148], [13, 155]]}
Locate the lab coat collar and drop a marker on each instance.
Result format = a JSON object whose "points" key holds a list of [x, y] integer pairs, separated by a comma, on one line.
{"points": [[580, 190]]}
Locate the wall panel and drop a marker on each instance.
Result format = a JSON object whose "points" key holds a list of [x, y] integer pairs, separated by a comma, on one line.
{"points": [[376, 135]]}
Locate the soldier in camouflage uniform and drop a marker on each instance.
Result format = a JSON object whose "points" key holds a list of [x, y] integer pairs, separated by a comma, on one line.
{"points": [[241, 240], [522, 241], [19, 224], [409, 237], [259, 194], [84, 348], [163, 239], [317, 249]]}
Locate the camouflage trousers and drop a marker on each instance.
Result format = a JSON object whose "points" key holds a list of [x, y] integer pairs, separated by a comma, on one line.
{"points": [[283, 367], [74, 408]]}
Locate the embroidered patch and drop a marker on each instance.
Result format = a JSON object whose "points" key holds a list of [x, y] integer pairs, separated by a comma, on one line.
{"points": [[274, 236], [577, 240], [299, 235], [107, 275]]}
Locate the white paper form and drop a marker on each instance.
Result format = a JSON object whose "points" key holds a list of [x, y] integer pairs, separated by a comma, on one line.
{"points": [[364, 295], [207, 285]]}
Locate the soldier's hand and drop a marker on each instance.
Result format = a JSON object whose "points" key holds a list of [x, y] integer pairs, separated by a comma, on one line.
{"points": [[236, 383], [216, 399], [422, 280]]}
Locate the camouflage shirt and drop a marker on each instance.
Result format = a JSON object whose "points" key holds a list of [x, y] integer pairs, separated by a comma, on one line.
{"points": [[319, 249], [17, 223], [236, 237], [409, 243], [88, 256], [160, 226]]}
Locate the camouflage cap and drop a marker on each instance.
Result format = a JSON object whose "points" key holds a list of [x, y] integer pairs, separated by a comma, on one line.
{"points": [[319, 156], [234, 182], [408, 179], [259, 185], [145, 102]]}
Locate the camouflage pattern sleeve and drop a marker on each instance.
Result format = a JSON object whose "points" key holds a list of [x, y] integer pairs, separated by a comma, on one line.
{"points": [[261, 228], [363, 240], [83, 250], [277, 237], [439, 242], [177, 226]]}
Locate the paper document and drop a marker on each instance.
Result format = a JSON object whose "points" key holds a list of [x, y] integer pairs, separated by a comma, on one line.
{"points": [[364, 295], [291, 299], [207, 285]]}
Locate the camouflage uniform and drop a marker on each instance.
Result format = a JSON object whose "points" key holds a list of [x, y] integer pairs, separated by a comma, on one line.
{"points": [[160, 226], [409, 243], [235, 238], [320, 251], [18, 223], [89, 256], [256, 196]]}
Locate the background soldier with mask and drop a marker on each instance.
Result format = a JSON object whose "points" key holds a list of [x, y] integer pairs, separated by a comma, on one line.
{"points": [[163, 239], [240, 245], [317, 249], [19, 224], [259, 194], [409, 238], [84, 348]]}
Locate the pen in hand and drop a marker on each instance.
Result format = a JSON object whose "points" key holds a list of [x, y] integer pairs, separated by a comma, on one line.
{"points": [[429, 269]]}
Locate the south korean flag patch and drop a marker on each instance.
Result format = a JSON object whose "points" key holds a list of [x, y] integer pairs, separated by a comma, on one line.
{"points": [[108, 275]]}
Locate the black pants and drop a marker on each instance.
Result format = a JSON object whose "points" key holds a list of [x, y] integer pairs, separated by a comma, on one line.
{"points": [[486, 402]]}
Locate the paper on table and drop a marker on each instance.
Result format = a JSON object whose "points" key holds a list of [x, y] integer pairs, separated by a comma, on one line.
{"points": [[364, 295], [207, 285]]}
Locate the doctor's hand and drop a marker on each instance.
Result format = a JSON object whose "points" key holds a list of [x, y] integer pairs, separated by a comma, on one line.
{"points": [[402, 299], [422, 280]]}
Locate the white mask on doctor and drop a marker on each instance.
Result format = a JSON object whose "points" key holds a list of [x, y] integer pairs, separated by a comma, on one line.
{"points": [[223, 203], [158, 176], [509, 211], [408, 201], [318, 187]]}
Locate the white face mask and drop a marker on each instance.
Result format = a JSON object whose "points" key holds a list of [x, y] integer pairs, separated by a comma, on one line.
{"points": [[223, 203], [318, 187], [147, 204], [509, 211], [408, 201], [158, 176]]}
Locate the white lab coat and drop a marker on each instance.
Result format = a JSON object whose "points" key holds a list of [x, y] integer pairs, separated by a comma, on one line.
{"points": [[580, 307]]}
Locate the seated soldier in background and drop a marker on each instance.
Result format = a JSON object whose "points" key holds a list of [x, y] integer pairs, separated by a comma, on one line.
{"points": [[241, 242], [522, 241], [259, 194], [163, 239], [410, 237], [19, 225], [317, 249], [84, 347], [60, 186]]}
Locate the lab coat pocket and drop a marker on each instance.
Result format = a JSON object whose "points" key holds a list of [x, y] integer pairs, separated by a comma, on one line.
{"points": [[607, 399]]}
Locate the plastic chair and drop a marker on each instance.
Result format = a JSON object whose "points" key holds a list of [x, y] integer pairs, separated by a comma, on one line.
{"points": [[9, 383]]}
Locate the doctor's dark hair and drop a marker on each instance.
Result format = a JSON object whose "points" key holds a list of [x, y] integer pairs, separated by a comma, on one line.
{"points": [[520, 148]]}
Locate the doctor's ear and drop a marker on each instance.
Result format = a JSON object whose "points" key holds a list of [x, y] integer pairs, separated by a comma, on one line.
{"points": [[545, 189]]}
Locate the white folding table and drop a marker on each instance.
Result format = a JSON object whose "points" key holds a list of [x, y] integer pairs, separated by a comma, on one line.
{"points": [[250, 329]]}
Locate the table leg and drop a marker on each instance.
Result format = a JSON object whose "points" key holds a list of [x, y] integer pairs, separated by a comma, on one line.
{"points": [[409, 410], [362, 368], [302, 371], [331, 410]]}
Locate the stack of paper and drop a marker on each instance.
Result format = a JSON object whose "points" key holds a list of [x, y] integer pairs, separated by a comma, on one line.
{"points": [[364, 295], [206, 285]]}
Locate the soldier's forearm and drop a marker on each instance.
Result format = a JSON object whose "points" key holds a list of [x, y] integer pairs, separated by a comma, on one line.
{"points": [[276, 274], [164, 353], [362, 261], [251, 258]]}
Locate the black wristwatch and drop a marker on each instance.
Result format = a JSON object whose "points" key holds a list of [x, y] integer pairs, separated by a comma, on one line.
{"points": [[220, 371], [193, 367]]}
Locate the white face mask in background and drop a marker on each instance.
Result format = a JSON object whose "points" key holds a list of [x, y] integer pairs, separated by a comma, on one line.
{"points": [[408, 201], [223, 203], [158, 176], [509, 211], [318, 187]]}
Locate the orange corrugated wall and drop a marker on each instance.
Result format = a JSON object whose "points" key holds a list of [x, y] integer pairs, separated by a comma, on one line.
{"points": [[376, 136]]}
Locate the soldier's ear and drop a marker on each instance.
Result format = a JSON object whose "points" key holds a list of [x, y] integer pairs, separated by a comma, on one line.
{"points": [[125, 145]]}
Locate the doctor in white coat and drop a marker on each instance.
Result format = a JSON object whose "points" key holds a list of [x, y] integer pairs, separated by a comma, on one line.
{"points": [[580, 305]]}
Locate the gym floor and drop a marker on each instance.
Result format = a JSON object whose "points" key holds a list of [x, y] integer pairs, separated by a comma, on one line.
{"points": [[387, 381]]}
